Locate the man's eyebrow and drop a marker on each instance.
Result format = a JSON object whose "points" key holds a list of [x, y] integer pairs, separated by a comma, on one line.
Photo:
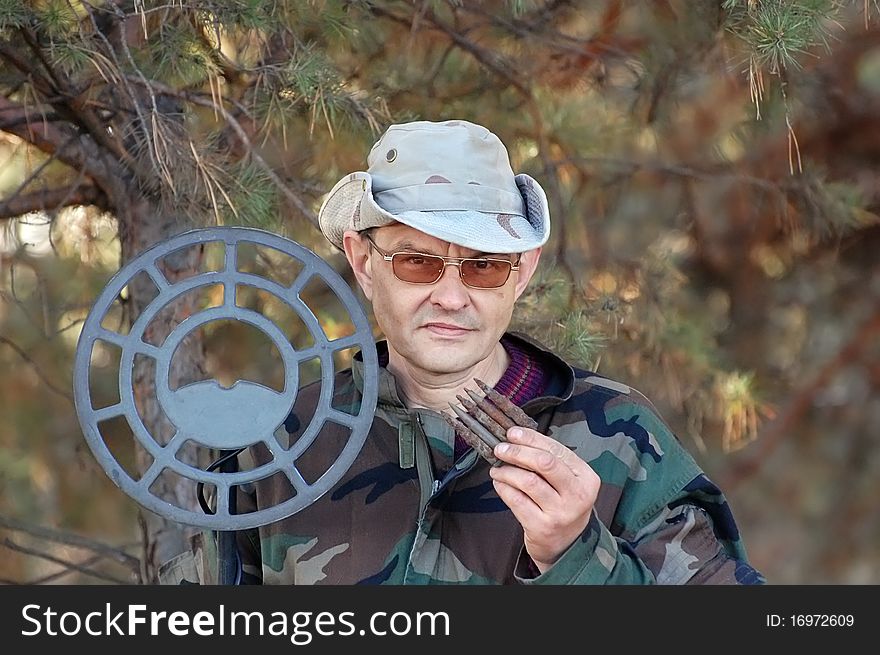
{"points": [[409, 246]]}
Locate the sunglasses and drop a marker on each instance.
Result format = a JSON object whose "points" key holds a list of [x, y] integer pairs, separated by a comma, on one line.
{"points": [[421, 268]]}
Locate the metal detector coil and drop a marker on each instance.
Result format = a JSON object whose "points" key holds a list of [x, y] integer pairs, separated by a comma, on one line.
{"points": [[217, 417]]}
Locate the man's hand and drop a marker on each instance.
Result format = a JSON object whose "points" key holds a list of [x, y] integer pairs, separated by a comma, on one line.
{"points": [[549, 489]]}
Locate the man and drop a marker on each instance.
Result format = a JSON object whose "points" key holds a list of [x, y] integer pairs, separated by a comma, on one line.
{"points": [[443, 238]]}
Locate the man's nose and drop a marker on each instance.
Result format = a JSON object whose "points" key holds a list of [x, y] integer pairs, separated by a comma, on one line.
{"points": [[449, 291]]}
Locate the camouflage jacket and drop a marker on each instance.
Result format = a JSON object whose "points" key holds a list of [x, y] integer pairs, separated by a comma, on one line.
{"points": [[406, 513]]}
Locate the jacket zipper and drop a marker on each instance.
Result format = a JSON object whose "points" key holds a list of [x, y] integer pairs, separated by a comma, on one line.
{"points": [[435, 485]]}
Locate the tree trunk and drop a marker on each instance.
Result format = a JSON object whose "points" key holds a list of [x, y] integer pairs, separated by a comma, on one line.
{"points": [[140, 227]]}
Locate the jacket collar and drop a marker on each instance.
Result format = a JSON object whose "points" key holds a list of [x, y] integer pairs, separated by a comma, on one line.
{"points": [[562, 376]]}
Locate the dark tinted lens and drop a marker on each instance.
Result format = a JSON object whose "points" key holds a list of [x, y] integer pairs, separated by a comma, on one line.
{"points": [[413, 267], [485, 273]]}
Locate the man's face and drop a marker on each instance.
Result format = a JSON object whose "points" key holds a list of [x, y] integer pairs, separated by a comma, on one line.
{"points": [[443, 327]]}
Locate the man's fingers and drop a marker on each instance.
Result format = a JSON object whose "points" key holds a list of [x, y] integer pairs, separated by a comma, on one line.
{"points": [[533, 438], [523, 508], [530, 483], [537, 452]]}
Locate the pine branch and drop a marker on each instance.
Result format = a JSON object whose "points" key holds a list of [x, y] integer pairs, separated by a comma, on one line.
{"points": [[227, 68], [554, 40], [52, 199], [39, 169], [26, 67], [15, 300], [51, 386], [84, 115], [18, 120], [52, 577], [58, 140], [242, 135], [69, 539], [153, 136], [701, 172], [11, 545]]}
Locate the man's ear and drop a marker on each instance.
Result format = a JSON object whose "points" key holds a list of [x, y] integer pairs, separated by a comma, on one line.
{"points": [[528, 264], [357, 252]]}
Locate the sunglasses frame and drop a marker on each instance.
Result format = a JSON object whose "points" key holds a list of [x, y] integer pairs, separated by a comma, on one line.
{"points": [[447, 261]]}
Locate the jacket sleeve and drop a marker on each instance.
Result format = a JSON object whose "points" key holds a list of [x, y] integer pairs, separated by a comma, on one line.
{"points": [[658, 518], [691, 540]]}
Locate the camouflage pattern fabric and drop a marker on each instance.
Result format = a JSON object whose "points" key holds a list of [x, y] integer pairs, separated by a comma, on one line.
{"points": [[406, 513]]}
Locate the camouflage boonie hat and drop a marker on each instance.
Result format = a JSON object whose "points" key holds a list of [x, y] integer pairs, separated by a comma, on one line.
{"points": [[451, 180]]}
